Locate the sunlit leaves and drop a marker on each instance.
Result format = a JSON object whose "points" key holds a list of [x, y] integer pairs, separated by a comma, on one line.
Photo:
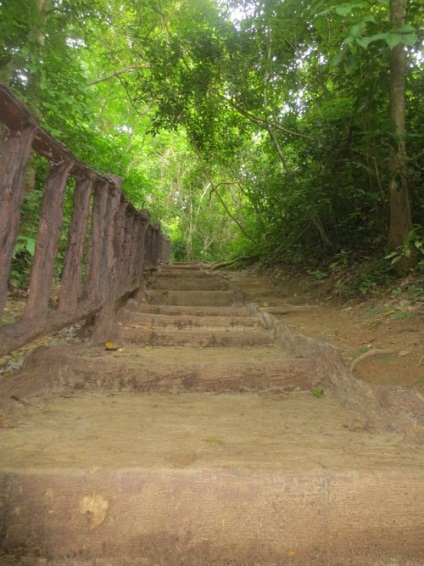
{"points": [[282, 104]]}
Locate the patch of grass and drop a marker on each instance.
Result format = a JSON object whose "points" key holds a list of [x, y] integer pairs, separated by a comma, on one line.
{"points": [[318, 392], [402, 315], [416, 293], [318, 274], [366, 280], [360, 351]]}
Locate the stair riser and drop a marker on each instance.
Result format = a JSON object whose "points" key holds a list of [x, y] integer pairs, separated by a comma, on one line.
{"points": [[142, 335], [145, 377], [218, 517], [186, 284], [193, 298], [174, 310], [164, 321]]}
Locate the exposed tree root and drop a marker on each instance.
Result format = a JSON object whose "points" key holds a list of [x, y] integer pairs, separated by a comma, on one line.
{"points": [[371, 353]]}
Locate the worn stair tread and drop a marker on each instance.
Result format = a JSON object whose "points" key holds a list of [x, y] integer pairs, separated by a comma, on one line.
{"points": [[231, 431], [189, 284], [201, 336], [187, 321], [194, 298], [163, 368], [186, 274], [187, 310], [114, 475]]}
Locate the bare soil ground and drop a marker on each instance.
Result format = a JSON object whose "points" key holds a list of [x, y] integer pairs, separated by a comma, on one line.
{"points": [[382, 339]]}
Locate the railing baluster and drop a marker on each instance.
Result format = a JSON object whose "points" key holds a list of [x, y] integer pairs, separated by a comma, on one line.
{"points": [[15, 151], [71, 278], [51, 215], [92, 292], [108, 266]]}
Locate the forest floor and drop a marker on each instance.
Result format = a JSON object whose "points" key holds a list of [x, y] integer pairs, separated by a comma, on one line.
{"points": [[381, 339]]}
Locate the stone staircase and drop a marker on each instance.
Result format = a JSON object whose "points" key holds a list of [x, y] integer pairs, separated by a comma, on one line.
{"points": [[196, 440]]}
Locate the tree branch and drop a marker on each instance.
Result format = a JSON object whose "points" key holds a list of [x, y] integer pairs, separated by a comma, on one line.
{"points": [[214, 189], [116, 74], [260, 121], [269, 126]]}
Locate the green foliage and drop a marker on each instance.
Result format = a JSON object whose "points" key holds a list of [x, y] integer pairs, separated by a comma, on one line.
{"points": [[367, 279], [413, 244], [267, 136], [21, 262]]}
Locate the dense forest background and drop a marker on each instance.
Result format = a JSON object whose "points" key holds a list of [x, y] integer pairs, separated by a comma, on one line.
{"points": [[286, 131]]}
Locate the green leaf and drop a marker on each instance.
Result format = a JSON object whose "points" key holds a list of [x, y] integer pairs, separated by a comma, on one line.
{"points": [[352, 64], [391, 255], [30, 246], [344, 10], [357, 29], [392, 39], [406, 28], [337, 59], [24, 243], [363, 41], [409, 40], [371, 38]]}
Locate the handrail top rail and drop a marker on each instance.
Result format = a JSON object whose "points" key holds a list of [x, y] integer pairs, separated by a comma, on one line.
{"points": [[17, 117]]}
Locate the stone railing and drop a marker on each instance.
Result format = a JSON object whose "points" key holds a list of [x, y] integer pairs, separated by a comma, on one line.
{"points": [[110, 244]]}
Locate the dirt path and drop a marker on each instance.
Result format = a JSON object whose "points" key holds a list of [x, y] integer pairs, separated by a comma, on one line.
{"points": [[383, 340]]}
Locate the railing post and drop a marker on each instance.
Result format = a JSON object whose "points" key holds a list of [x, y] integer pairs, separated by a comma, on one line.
{"points": [[165, 250], [148, 247], [15, 151], [156, 245], [109, 266], [71, 278], [92, 291], [143, 220], [47, 241], [126, 266], [101, 256], [119, 244], [105, 274]]}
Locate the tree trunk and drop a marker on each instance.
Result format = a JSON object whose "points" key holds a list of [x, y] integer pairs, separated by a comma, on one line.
{"points": [[400, 210]]}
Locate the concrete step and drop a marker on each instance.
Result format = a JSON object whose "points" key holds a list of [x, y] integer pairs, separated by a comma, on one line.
{"points": [[204, 337], [195, 298], [187, 310], [186, 273], [173, 283], [178, 266], [164, 369], [186, 321], [201, 479]]}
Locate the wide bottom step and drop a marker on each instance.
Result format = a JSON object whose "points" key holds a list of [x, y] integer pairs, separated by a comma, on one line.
{"points": [[148, 369], [207, 479]]}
